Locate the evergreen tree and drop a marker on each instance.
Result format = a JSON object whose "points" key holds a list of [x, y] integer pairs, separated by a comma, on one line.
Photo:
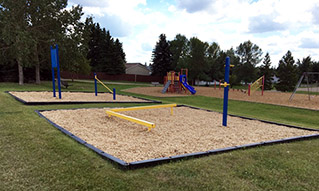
{"points": [[94, 50], [267, 72], [161, 57], [315, 66], [249, 55], [119, 58], [305, 65], [287, 73], [105, 54]]}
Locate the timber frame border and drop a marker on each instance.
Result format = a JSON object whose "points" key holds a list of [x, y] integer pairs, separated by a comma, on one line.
{"points": [[156, 161]]}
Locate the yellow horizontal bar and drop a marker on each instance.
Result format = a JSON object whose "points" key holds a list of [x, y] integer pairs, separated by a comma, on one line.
{"points": [[225, 84], [133, 119], [143, 107], [103, 85]]}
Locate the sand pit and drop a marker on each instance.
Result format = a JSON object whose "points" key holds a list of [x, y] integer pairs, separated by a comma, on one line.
{"points": [[187, 131], [67, 97], [276, 98]]}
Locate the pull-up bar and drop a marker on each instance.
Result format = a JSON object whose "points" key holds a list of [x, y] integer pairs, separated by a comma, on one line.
{"points": [[95, 85]]}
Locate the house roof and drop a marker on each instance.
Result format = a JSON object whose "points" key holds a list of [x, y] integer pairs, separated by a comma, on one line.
{"points": [[130, 65]]}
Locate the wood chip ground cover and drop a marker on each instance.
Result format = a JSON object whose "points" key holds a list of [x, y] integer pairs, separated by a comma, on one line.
{"points": [[186, 131], [269, 97], [73, 96]]}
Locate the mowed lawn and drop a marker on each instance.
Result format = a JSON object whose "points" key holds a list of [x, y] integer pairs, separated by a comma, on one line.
{"points": [[36, 156]]}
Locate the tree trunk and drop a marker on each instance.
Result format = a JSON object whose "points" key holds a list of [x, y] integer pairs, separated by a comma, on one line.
{"points": [[37, 65], [20, 69]]}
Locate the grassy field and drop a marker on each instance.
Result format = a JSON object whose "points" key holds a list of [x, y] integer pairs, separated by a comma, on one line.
{"points": [[36, 156]]}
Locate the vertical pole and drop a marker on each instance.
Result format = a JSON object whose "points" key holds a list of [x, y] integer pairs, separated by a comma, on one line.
{"points": [[215, 84], [226, 88], [58, 70], [114, 94], [53, 78], [95, 84], [219, 84], [307, 77], [249, 90], [262, 88]]}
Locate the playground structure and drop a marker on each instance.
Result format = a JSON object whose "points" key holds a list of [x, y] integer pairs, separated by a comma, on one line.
{"points": [[95, 85], [149, 125], [259, 83], [177, 82], [311, 82]]}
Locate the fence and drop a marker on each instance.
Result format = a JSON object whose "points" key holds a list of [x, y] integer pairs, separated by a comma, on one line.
{"points": [[121, 77]]}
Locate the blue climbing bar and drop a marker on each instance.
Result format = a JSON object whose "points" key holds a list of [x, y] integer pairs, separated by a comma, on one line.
{"points": [[226, 89]]}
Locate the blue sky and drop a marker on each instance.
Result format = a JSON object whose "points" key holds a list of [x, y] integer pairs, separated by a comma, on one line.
{"points": [[276, 26]]}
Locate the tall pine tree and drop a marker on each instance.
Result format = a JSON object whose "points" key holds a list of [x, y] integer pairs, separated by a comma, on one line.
{"points": [[267, 72], [287, 73], [162, 57], [105, 54]]}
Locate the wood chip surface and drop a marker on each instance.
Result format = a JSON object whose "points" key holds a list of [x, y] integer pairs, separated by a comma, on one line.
{"points": [[186, 131], [269, 97], [73, 96]]}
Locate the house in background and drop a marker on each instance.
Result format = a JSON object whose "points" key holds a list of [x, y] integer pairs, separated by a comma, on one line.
{"points": [[137, 69]]}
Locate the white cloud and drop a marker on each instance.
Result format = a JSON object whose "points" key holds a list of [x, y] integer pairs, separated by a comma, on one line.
{"points": [[315, 14], [192, 6], [265, 23], [276, 26], [309, 43]]}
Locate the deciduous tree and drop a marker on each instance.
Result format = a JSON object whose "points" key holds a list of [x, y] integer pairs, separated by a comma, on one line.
{"points": [[249, 54]]}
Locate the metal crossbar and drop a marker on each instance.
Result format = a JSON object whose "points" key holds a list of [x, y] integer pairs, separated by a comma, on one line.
{"points": [[103, 84], [133, 119], [150, 125]]}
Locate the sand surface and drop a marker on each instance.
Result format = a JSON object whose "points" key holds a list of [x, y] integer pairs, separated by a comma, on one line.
{"points": [[186, 131], [277, 98], [73, 96]]}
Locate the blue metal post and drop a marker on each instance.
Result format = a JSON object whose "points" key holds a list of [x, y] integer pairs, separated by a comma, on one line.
{"points": [[53, 78], [95, 84], [114, 94], [58, 70], [226, 91]]}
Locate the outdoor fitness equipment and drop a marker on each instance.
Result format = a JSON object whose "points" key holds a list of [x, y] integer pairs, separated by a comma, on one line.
{"points": [[257, 84], [226, 89], [306, 75], [149, 125], [95, 85], [55, 64]]}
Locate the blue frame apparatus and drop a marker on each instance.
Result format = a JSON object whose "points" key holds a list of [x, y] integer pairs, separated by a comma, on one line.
{"points": [[55, 64]]}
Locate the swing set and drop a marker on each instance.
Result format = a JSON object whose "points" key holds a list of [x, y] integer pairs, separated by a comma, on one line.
{"points": [[312, 84]]}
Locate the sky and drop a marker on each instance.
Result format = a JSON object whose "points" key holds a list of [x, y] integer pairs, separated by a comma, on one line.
{"points": [[276, 26]]}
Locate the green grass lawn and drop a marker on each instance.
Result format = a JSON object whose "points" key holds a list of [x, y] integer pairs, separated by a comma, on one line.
{"points": [[36, 156]]}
